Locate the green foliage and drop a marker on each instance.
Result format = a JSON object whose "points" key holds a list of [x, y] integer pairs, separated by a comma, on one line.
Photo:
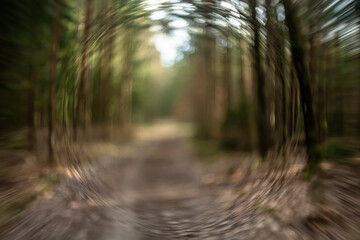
{"points": [[336, 150], [24, 51], [119, 45]]}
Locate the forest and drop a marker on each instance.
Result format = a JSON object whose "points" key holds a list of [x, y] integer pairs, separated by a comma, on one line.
{"points": [[180, 119]]}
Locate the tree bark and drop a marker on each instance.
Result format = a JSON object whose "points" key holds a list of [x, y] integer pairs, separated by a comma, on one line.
{"points": [[262, 120], [281, 82], [241, 74], [271, 85], [53, 64], [125, 91], [82, 109], [31, 110], [302, 71], [227, 77], [357, 7], [107, 70]]}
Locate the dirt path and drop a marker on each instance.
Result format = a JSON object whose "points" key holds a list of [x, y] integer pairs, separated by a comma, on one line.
{"points": [[160, 195], [160, 190], [154, 189], [155, 192]]}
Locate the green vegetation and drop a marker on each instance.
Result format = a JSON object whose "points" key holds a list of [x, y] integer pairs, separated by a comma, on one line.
{"points": [[336, 150], [250, 75]]}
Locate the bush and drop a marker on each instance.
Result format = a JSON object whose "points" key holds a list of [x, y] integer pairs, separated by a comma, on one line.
{"points": [[336, 150]]}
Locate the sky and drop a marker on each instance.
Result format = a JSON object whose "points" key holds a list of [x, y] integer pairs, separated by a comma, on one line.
{"points": [[169, 44]]}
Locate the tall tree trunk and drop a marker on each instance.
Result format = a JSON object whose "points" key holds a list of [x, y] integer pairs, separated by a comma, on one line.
{"points": [[294, 105], [82, 114], [107, 70], [206, 114], [302, 71], [31, 109], [228, 133], [54, 53], [210, 83], [126, 79], [337, 100], [357, 7], [32, 80], [315, 69], [262, 119], [209, 118], [271, 85], [242, 108], [280, 75], [227, 77], [241, 74]]}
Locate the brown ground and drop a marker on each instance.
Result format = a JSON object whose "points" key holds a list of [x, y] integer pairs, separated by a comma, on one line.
{"points": [[157, 188]]}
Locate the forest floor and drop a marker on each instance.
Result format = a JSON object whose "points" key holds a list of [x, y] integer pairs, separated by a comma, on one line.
{"points": [[160, 187]]}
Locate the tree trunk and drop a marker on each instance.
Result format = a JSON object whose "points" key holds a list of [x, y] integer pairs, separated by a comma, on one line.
{"points": [[358, 71], [227, 78], [82, 114], [302, 71], [280, 75], [271, 85], [243, 120], [241, 74], [210, 83], [294, 103], [125, 90], [31, 110], [54, 53], [107, 71], [205, 114], [262, 120]]}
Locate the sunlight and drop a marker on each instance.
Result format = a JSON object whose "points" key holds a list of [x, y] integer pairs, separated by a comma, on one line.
{"points": [[169, 45]]}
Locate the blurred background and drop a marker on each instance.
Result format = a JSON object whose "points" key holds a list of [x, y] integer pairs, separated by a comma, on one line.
{"points": [[260, 86]]}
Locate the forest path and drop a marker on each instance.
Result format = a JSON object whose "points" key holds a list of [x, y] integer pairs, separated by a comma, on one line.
{"points": [[160, 195], [155, 188], [150, 189]]}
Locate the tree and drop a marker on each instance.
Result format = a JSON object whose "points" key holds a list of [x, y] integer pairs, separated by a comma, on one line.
{"points": [[106, 66], [54, 55], [271, 85], [302, 71], [259, 77], [82, 115]]}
